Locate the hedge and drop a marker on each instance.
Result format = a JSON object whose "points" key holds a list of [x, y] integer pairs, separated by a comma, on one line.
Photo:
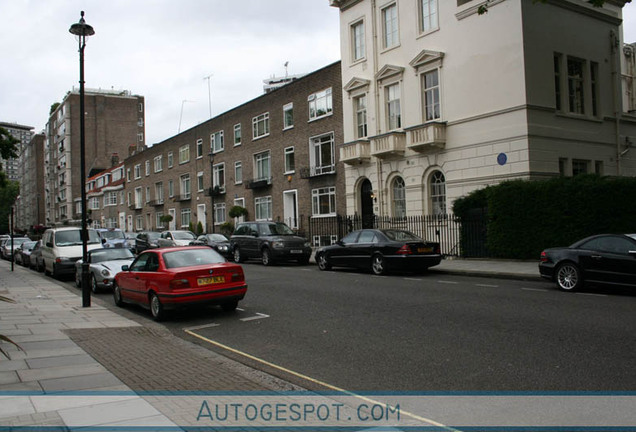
{"points": [[524, 217]]}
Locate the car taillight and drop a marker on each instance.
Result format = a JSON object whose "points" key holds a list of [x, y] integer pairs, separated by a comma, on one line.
{"points": [[404, 250], [238, 277], [544, 257], [179, 283]]}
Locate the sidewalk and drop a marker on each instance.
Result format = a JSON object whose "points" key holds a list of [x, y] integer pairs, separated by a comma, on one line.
{"points": [[70, 349]]}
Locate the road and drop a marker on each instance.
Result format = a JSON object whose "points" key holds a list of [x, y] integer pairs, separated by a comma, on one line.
{"points": [[424, 333]]}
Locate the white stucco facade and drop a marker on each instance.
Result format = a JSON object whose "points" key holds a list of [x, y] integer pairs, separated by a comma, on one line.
{"points": [[524, 91]]}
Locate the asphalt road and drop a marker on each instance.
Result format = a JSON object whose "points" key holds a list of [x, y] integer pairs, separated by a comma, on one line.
{"points": [[423, 333]]}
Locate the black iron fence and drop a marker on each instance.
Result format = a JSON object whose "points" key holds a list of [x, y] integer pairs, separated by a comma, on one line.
{"points": [[462, 238]]}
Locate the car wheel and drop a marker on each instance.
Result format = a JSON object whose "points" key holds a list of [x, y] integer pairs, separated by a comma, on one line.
{"points": [[156, 308], [568, 277], [378, 264], [323, 264], [229, 306], [266, 257], [238, 257], [119, 301], [94, 287]]}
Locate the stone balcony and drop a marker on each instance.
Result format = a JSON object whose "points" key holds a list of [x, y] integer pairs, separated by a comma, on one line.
{"points": [[356, 152], [389, 144], [426, 137]]}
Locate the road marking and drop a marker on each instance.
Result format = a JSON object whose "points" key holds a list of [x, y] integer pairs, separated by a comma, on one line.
{"points": [[201, 327], [447, 282], [239, 309], [535, 289], [487, 286], [313, 380], [413, 279], [592, 294], [257, 316]]}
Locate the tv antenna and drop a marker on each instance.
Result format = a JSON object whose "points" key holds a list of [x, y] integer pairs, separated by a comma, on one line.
{"points": [[209, 93]]}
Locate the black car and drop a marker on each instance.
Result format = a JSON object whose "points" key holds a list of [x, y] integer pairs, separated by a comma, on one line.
{"points": [[146, 240], [269, 241], [608, 259], [218, 242], [380, 250]]}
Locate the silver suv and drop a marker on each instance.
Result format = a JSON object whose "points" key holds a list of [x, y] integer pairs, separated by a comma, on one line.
{"points": [[269, 241]]}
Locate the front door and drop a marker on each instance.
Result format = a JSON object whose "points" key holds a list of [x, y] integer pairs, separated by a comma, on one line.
{"points": [[173, 223], [366, 203], [290, 208], [201, 216]]}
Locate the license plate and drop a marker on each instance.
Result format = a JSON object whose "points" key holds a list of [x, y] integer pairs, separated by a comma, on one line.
{"points": [[296, 251], [424, 250], [211, 280]]}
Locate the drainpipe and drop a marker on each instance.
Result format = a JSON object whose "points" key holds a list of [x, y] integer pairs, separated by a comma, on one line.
{"points": [[616, 90], [378, 161]]}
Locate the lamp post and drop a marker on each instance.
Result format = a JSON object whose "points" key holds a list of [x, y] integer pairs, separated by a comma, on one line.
{"points": [[211, 156], [83, 30]]}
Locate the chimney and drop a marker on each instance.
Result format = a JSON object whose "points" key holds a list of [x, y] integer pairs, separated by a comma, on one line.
{"points": [[114, 160], [132, 149]]}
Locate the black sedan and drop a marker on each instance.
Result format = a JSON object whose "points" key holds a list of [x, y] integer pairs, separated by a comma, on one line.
{"points": [[218, 242], [608, 259], [380, 250]]}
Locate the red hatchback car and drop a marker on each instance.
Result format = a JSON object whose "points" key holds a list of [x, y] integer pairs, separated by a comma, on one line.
{"points": [[169, 278]]}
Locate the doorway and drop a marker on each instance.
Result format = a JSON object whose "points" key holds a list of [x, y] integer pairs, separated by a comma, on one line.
{"points": [[366, 204], [290, 208]]}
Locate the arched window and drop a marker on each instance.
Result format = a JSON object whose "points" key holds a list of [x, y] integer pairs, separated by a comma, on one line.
{"points": [[398, 189], [438, 193]]}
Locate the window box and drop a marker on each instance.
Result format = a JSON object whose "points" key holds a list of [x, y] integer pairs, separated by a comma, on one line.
{"points": [[258, 183]]}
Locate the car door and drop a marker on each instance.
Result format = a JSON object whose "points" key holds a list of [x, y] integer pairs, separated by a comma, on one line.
{"points": [[364, 248], [132, 283], [611, 261], [344, 254], [250, 241]]}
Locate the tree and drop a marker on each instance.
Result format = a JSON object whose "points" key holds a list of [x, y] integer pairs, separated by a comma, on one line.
{"points": [[8, 193]]}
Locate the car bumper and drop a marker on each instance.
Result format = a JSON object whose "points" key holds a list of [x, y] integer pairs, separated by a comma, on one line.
{"points": [[412, 262], [291, 254], [65, 268], [546, 270], [177, 299]]}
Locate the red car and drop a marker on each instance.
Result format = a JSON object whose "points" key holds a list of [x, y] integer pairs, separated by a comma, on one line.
{"points": [[168, 278]]}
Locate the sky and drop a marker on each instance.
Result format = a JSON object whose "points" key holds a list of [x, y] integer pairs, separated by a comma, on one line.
{"points": [[164, 50]]}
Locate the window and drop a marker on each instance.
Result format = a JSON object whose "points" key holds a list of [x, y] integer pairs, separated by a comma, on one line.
{"points": [[159, 192], [580, 167], [137, 171], [263, 208], [140, 137], [170, 160], [185, 185], [557, 81], [290, 165], [218, 175], [398, 190], [394, 116], [322, 157], [438, 193], [260, 126], [576, 102], [184, 154], [320, 104], [147, 194], [200, 181], [598, 168], [185, 217], [428, 15], [262, 166], [158, 164], [219, 213], [390, 31], [360, 104], [237, 134], [139, 223], [238, 172], [216, 142], [430, 84], [323, 201], [357, 41], [170, 188], [94, 203], [158, 221], [595, 87], [199, 149], [138, 198], [147, 168], [288, 116]]}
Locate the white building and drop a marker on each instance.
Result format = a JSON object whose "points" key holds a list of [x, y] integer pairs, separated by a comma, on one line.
{"points": [[440, 100]]}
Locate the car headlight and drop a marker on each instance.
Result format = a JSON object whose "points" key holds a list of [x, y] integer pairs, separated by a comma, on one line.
{"points": [[223, 248], [105, 273], [278, 245]]}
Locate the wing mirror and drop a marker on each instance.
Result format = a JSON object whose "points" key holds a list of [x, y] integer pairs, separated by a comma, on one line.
{"points": [[125, 267]]}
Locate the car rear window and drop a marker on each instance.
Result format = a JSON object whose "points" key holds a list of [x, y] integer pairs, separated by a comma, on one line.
{"points": [[399, 235], [191, 257]]}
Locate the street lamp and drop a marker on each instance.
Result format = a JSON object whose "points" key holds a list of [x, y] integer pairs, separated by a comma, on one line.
{"points": [[82, 30], [211, 156]]}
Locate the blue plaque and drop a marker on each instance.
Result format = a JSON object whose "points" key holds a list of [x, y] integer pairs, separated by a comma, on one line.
{"points": [[502, 159]]}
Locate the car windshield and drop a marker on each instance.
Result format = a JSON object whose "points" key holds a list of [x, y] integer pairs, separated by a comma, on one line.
{"points": [[191, 257], [17, 241], [101, 255], [278, 228], [399, 235], [153, 235], [183, 235], [110, 235], [28, 245], [73, 238], [216, 237]]}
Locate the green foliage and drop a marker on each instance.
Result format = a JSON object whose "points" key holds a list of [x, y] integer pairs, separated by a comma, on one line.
{"points": [[227, 228], [191, 227], [8, 145], [54, 107], [166, 218], [237, 211], [199, 230], [525, 217], [8, 193]]}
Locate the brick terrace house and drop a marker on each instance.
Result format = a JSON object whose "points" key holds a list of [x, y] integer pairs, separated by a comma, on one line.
{"points": [[274, 155]]}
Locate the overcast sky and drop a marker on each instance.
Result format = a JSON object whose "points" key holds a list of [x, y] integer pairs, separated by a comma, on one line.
{"points": [[163, 50]]}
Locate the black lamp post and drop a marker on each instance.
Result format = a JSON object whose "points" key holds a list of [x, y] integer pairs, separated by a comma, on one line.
{"points": [[211, 156], [82, 30]]}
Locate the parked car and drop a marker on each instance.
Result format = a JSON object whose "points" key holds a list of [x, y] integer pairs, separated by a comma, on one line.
{"points": [[104, 264], [23, 253], [176, 238], [146, 240], [7, 252], [607, 259], [130, 240], [269, 241], [380, 250], [218, 242], [61, 247], [167, 278], [112, 237], [35, 260]]}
